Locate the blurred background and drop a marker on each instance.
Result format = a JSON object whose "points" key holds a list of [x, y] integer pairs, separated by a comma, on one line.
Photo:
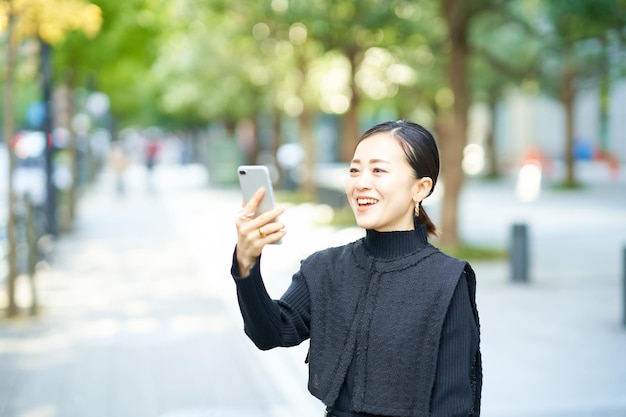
{"points": [[123, 123]]}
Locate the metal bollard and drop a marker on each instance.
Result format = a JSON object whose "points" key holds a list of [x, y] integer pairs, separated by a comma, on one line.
{"points": [[624, 286], [519, 253]]}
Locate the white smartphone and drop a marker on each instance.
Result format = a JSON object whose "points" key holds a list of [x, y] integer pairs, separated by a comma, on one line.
{"points": [[253, 177]]}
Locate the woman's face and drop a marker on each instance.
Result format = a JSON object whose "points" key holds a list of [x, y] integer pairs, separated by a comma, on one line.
{"points": [[382, 189]]}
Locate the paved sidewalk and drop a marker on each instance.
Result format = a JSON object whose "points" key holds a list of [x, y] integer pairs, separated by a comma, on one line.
{"points": [[140, 316], [133, 324]]}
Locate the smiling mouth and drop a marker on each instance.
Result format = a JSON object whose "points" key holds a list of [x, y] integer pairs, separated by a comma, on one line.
{"points": [[365, 202]]}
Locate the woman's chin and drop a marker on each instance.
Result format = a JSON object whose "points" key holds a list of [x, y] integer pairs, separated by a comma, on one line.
{"points": [[365, 224]]}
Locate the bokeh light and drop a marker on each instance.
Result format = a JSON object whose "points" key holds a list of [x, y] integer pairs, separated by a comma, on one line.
{"points": [[473, 159], [528, 186], [298, 33]]}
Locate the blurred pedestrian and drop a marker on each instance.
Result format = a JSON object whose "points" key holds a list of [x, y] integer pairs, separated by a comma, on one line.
{"points": [[118, 161], [152, 151], [392, 321], [151, 154]]}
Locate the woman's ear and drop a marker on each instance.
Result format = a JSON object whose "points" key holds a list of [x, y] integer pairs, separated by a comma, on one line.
{"points": [[424, 185]]}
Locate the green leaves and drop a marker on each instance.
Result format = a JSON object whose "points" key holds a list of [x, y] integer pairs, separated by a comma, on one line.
{"points": [[202, 60]]}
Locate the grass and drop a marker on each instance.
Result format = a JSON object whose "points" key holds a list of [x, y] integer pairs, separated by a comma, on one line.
{"points": [[343, 217], [294, 197], [567, 186], [476, 253]]}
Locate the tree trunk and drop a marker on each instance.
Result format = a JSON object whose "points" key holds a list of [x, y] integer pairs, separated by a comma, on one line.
{"points": [[452, 176], [46, 90], [604, 96], [568, 104], [253, 150], [31, 239], [8, 132], [308, 186], [454, 141], [230, 125], [277, 141], [350, 124], [277, 127], [63, 107], [62, 117], [490, 140]]}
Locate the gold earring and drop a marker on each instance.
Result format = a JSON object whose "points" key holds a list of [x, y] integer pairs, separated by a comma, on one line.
{"points": [[417, 210]]}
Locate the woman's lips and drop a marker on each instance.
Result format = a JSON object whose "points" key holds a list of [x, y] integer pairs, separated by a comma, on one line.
{"points": [[364, 203]]}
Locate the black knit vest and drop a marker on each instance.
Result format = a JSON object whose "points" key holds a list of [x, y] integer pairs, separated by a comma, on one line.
{"points": [[386, 316]]}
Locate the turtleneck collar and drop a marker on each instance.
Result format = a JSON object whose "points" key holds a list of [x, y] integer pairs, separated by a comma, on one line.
{"points": [[389, 245]]}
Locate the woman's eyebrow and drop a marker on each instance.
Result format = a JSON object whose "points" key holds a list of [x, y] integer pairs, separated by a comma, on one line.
{"points": [[371, 161]]}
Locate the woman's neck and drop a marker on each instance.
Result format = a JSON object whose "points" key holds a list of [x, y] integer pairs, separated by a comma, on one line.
{"points": [[389, 245]]}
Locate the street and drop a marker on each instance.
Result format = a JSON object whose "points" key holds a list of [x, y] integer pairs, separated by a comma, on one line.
{"points": [[140, 315]]}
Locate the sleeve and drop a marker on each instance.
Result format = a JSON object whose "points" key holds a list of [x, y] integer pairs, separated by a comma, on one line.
{"points": [[452, 393], [271, 323]]}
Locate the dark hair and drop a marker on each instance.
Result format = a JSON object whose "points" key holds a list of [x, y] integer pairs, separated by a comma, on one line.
{"points": [[421, 154]]}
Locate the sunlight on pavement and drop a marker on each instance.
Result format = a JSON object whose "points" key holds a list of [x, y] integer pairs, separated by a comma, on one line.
{"points": [[215, 412], [41, 411]]}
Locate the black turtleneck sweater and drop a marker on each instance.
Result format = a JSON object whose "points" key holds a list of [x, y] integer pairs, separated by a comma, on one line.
{"points": [[272, 323]]}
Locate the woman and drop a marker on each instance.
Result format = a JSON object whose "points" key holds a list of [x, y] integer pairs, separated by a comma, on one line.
{"points": [[392, 321]]}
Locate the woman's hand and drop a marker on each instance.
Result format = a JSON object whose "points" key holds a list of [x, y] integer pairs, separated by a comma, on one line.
{"points": [[253, 233]]}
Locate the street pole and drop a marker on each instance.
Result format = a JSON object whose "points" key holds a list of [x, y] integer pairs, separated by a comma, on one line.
{"points": [[624, 286], [46, 85], [8, 130], [519, 253]]}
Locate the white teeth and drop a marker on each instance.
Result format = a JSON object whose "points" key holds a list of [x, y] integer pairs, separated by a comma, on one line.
{"points": [[363, 201]]}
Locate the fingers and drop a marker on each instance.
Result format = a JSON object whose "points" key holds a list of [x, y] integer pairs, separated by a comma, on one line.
{"points": [[250, 209], [253, 233], [251, 241], [261, 231], [254, 202], [246, 220], [271, 233], [269, 217]]}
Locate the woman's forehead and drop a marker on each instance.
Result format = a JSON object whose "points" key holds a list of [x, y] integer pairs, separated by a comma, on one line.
{"points": [[379, 146]]}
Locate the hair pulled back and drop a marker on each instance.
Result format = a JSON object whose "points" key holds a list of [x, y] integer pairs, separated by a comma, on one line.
{"points": [[421, 152]]}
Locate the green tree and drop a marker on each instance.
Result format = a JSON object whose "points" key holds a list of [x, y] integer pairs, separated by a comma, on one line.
{"points": [[114, 62], [344, 31], [459, 16], [504, 56], [217, 64], [117, 60], [575, 52], [49, 21], [204, 54]]}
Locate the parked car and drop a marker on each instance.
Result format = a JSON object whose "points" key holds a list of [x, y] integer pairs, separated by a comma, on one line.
{"points": [[29, 176]]}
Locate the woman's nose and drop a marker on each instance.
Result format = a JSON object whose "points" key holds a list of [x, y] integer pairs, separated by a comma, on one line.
{"points": [[363, 181]]}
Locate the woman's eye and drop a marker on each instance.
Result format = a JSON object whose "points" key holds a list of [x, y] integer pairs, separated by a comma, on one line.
{"points": [[378, 170], [353, 170]]}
